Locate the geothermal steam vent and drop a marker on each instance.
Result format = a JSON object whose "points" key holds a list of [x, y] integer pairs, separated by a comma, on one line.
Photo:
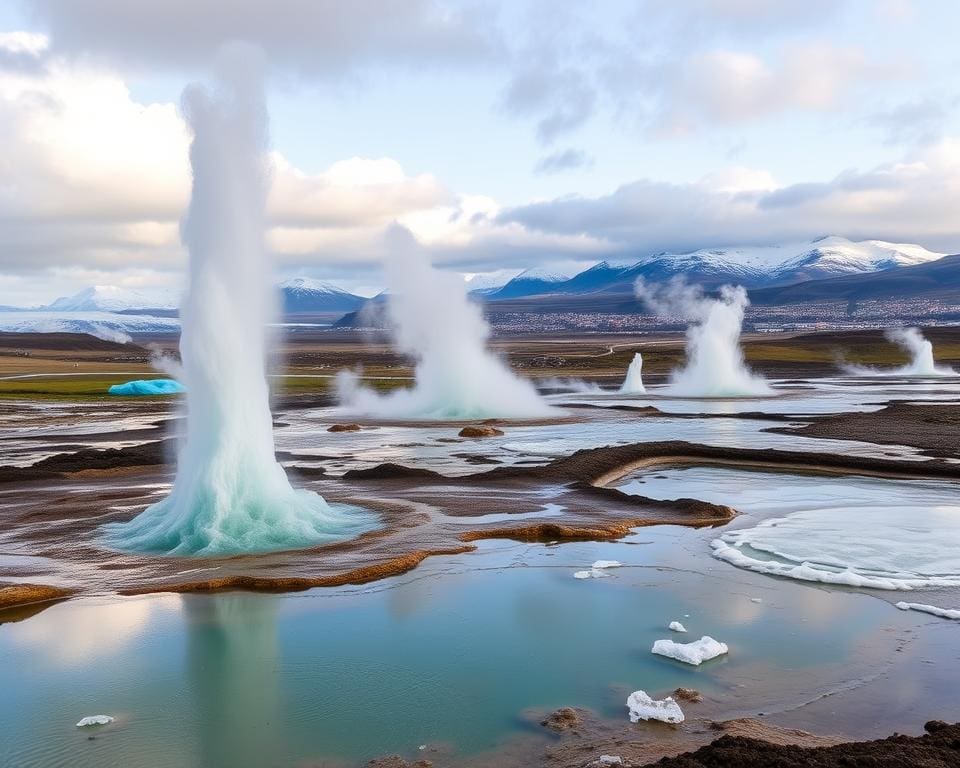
{"points": [[230, 494]]}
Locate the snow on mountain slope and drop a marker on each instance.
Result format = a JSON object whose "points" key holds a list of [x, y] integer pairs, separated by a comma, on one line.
{"points": [[532, 282], [489, 282], [103, 325], [830, 256], [304, 294], [752, 266], [112, 298]]}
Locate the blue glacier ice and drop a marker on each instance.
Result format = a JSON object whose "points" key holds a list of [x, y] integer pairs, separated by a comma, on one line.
{"points": [[147, 388]]}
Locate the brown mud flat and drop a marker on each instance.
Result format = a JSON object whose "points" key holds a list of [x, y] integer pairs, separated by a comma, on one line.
{"points": [[934, 429], [13, 595], [938, 748], [422, 513], [577, 738]]}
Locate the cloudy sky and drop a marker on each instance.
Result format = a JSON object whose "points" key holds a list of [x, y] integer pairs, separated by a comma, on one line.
{"points": [[501, 134]]}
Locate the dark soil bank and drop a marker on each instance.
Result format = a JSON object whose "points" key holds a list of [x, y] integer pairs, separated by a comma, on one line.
{"points": [[938, 748], [935, 429]]}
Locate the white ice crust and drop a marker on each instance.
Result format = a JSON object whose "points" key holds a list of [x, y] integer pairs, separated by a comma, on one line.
{"points": [[94, 720], [642, 707], [873, 548], [694, 653], [676, 626], [607, 564], [943, 613]]}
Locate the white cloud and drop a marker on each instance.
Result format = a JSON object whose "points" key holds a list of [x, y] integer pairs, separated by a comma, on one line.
{"points": [[912, 200], [313, 38]]}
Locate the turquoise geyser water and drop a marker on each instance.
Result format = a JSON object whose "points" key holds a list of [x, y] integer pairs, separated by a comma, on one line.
{"points": [[454, 653], [147, 388], [230, 495]]}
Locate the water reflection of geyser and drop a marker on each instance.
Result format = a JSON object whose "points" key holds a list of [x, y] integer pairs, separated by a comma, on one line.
{"points": [[714, 365], [921, 363], [633, 383], [230, 494], [233, 656], [434, 322]]}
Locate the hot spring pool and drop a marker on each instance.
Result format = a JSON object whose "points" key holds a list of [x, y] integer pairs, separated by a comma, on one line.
{"points": [[452, 653]]}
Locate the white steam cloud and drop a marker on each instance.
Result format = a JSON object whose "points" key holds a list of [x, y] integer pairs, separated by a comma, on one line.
{"points": [[714, 364], [921, 357], [434, 322]]}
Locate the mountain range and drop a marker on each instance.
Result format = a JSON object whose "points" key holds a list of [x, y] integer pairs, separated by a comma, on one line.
{"points": [[829, 268], [299, 295], [752, 267]]}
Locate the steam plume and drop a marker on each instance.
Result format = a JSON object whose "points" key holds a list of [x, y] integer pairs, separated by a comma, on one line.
{"points": [[230, 494], [921, 357], [435, 323], [714, 364]]}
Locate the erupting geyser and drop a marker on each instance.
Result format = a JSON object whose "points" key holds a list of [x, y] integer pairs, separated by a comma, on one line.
{"points": [[435, 323], [920, 350], [230, 494], [633, 383], [714, 364], [921, 353]]}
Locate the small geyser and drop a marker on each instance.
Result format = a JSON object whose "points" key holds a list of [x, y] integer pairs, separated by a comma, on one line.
{"points": [[633, 383], [435, 323], [921, 353], [230, 494], [714, 364]]}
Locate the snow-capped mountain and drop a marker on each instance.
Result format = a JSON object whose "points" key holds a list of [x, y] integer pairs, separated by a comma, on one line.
{"points": [[752, 266], [531, 282], [486, 283], [112, 298], [304, 294], [833, 256]]}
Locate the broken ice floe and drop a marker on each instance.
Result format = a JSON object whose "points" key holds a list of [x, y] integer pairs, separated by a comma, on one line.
{"points": [[943, 613], [872, 548], [596, 571], [676, 626], [95, 720], [694, 653], [642, 707]]}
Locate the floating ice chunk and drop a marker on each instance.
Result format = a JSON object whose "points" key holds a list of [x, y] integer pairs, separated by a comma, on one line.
{"points": [[592, 573], [756, 599], [95, 720], [676, 626], [943, 613], [607, 564], [694, 653], [642, 707]]}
